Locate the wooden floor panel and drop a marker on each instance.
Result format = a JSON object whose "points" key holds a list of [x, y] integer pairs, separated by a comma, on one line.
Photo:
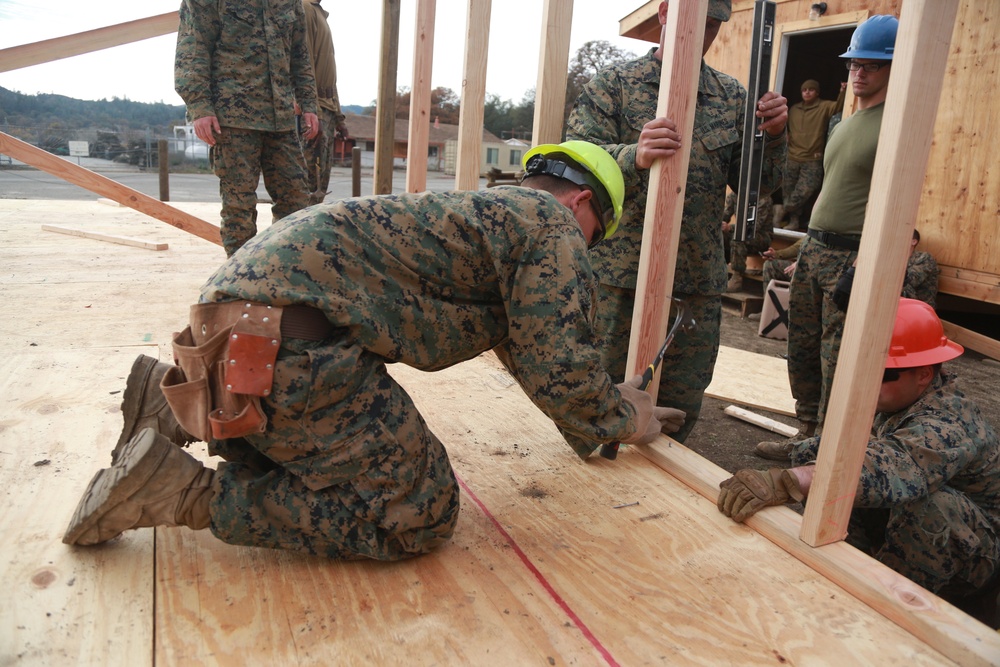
{"points": [[545, 568]]}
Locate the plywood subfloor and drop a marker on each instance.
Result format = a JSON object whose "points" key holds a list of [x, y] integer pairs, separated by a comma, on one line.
{"points": [[545, 567]]}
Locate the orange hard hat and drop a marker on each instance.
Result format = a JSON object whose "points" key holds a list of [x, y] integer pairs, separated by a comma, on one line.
{"points": [[918, 338]]}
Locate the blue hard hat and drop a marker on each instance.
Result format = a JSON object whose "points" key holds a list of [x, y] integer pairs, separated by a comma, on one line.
{"points": [[874, 39]]}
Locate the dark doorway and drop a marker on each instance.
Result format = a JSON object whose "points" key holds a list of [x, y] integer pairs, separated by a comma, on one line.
{"points": [[815, 55]]}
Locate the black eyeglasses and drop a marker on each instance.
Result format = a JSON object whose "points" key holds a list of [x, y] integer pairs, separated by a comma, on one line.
{"points": [[868, 67], [893, 374]]}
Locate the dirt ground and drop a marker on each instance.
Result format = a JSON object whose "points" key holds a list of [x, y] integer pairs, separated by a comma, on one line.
{"points": [[728, 442]]}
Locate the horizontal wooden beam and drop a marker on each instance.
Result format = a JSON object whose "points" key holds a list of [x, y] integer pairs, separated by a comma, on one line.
{"points": [[937, 623], [110, 238], [972, 340], [969, 284], [106, 187], [77, 44], [772, 425]]}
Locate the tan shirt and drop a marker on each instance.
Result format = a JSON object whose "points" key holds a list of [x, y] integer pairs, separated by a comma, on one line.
{"points": [[320, 42]]}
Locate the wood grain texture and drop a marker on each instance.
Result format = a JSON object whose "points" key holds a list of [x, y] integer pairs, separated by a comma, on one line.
{"points": [[420, 97], [752, 380], [110, 238], [669, 580], [385, 112], [58, 48], [471, 112], [103, 185], [683, 39], [553, 63]]}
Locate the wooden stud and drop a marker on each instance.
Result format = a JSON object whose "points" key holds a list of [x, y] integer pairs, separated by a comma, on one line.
{"points": [[58, 48], [385, 113], [553, 64], [110, 238], [420, 97], [904, 145], [972, 340], [471, 113], [759, 420], [682, 44], [103, 185]]}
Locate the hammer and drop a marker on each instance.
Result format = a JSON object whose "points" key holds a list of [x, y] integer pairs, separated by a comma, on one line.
{"points": [[684, 320]]}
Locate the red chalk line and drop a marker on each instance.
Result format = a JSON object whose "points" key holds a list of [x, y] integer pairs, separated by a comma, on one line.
{"points": [[540, 577]]}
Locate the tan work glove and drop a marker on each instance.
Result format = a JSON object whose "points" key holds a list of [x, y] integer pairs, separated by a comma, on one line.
{"points": [[748, 491], [650, 420]]}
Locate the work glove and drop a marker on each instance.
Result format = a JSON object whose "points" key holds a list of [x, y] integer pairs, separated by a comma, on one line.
{"points": [[671, 419], [842, 290], [650, 420], [748, 491]]}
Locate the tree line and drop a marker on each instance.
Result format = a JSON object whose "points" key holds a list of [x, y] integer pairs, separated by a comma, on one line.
{"points": [[46, 119]]}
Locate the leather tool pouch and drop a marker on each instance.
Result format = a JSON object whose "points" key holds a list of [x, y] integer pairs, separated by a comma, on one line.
{"points": [[225, 364]]}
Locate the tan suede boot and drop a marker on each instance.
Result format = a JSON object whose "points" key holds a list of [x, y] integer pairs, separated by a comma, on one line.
{"points": [[735, 283], [153, 483], [781, 450], [143, 405]]}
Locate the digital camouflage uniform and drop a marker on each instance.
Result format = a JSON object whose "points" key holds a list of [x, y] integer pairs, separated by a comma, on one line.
{"points": [[759, 242], [921, 281], [246, 63], [318, 154], [347, 467], [611, 111], [931, 483]]}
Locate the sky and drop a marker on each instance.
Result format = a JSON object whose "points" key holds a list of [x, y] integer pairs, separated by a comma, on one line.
{"points": [[143, 71]]}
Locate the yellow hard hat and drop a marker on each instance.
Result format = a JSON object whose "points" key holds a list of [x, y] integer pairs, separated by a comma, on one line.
{"points": [[586, 165]]}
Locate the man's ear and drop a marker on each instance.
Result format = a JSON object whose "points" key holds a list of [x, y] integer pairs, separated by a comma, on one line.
{"points": [[581, 199], [925, 375], [661, 13]]}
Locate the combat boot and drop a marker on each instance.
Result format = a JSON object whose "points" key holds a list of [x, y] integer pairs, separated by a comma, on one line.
{"points": [[781, 450], [153, 483], [794, 223], [144, 406], [735, 283]]}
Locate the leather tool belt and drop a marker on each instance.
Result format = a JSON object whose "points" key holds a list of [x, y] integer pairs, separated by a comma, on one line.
{"points": [[832, 240], [225, 364]]}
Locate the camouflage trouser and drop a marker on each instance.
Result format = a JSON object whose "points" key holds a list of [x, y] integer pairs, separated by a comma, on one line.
{"points": [[815, 327], [774, 269], [802, 181], [319, 159], [687, 367], [239, 157], [346, 469]]}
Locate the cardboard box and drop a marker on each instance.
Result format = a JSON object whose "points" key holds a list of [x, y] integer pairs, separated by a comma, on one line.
{"points": [[774, 316]]}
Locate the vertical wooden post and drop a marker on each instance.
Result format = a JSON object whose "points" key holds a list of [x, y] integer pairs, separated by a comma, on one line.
{"points": [[356, 171], [682, 42], [918, 67], [163, 166], [470, 120], [420, 98], [385, 113], [553, 63]]}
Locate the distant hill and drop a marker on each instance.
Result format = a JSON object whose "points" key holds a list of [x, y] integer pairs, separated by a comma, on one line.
{"points": [[17, 109], [353, 108]]}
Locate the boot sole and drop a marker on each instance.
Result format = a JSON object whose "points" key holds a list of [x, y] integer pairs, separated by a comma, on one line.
{"points": [[110, 487], [131, 408]]}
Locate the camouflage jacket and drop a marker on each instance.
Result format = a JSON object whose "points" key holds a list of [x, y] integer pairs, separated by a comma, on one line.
{"points": [[324, 62], [245, 62], [921, 281], [611, 111], [431, 280], [942, 440]]}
